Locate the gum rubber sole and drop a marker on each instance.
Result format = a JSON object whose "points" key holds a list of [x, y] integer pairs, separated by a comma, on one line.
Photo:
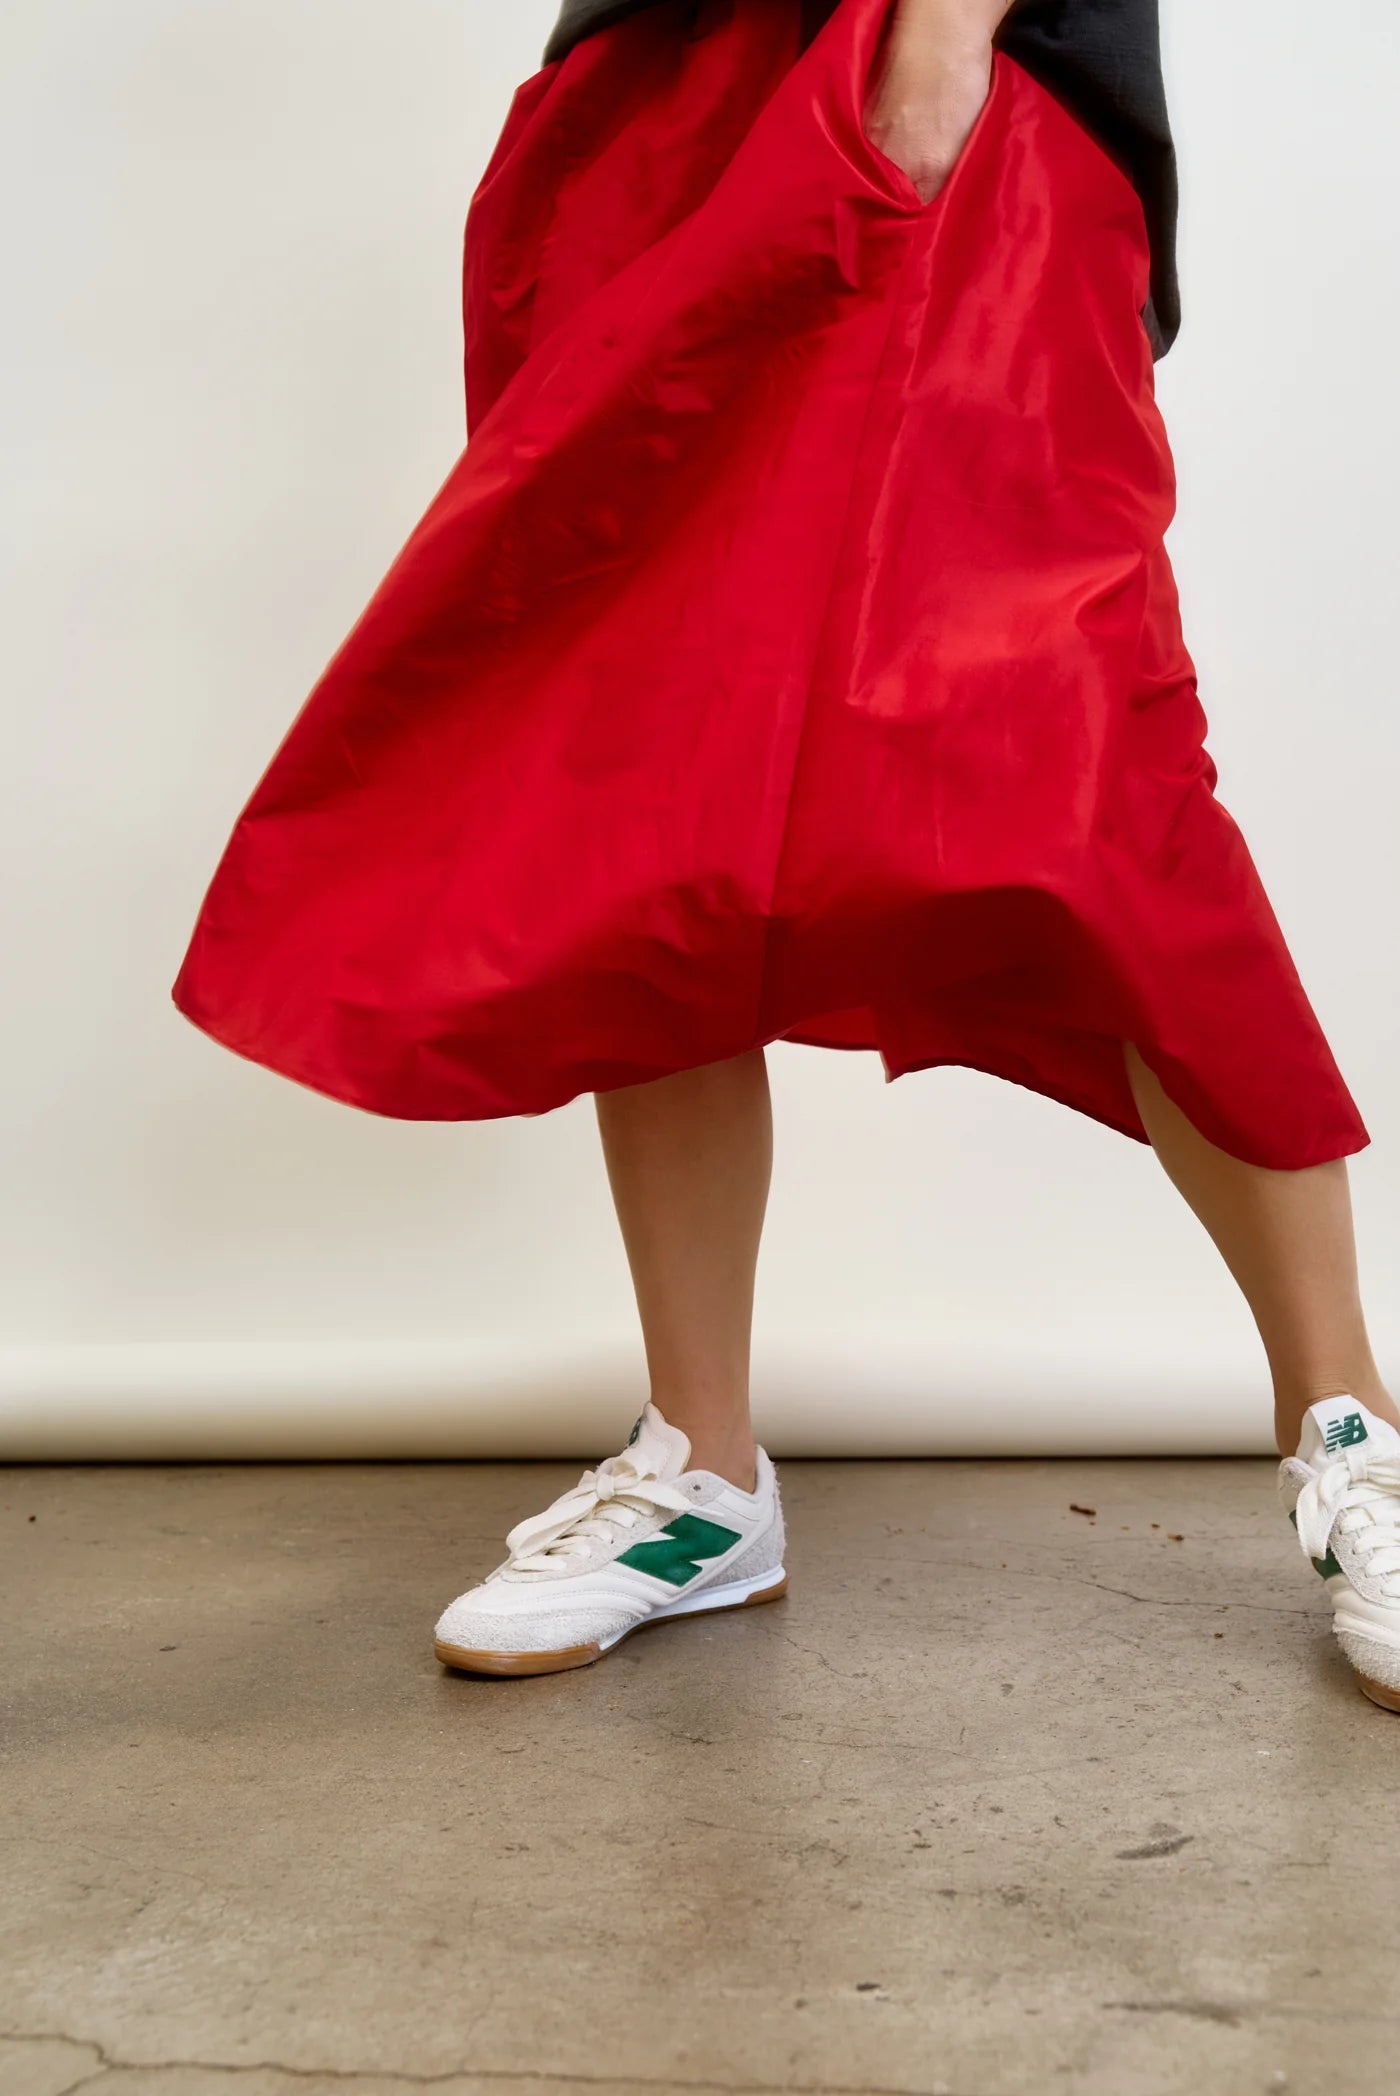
{"points": [[463, 1661], [1387, 1698]]}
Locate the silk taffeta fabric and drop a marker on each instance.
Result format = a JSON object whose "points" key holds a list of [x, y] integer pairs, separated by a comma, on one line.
{"points": [[793, 651]]}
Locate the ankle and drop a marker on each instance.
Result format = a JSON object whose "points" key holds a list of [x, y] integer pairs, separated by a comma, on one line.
{"points": [[724, 1445], [735, 1471], [1291, 1401], [735, 1461]]}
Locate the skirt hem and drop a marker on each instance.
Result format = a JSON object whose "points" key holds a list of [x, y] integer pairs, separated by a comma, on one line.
{"points": [[794, 1036]]}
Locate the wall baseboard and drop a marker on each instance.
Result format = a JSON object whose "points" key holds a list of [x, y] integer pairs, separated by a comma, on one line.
{"points": [[847, 1395]]}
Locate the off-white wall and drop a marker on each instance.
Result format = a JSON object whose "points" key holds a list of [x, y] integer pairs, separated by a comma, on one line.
{"points": [[231, 382]]}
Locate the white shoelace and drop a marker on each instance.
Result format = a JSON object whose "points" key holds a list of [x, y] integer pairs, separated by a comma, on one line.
{"points": [[614, 1496], [1361, 1494]]}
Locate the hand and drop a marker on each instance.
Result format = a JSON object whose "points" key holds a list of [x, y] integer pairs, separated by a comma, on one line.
{"points": [[926, 97]]}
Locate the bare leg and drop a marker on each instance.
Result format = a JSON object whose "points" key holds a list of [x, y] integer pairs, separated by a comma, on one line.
{"points": [[689, 1160], [1287, 1238]]}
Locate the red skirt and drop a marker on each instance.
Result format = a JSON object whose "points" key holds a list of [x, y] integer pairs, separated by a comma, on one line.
{"points": [[791, 654]]}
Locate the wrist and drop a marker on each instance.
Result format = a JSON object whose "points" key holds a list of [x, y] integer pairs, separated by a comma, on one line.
{"points": [[926, 72], [948, 33]]}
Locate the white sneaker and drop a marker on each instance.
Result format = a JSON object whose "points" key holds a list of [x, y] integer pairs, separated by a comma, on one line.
{"points": [[638, 1540], [1342, 1492]]}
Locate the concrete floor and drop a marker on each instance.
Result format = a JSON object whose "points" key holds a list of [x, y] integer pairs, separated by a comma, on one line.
{"points": [[1003, 1800]]}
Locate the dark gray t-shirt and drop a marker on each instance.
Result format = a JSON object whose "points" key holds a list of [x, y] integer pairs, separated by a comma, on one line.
{"points": [[1101, 58]]}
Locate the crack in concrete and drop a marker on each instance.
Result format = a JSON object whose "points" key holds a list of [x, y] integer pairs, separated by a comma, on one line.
{"points": [[1233, 2013], [785, 1637], [1200, 2011], [1169, 1846], [1268, 1608], [109, 2063]]}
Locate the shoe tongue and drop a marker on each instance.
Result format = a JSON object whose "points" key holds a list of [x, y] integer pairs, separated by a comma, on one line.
{"points": [[657, 1449], [1336, 1424]]}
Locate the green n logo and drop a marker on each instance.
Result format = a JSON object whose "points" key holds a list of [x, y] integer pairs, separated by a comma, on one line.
{"points": [[682, 1548], [1326, 1567], [1345, 1433]]}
